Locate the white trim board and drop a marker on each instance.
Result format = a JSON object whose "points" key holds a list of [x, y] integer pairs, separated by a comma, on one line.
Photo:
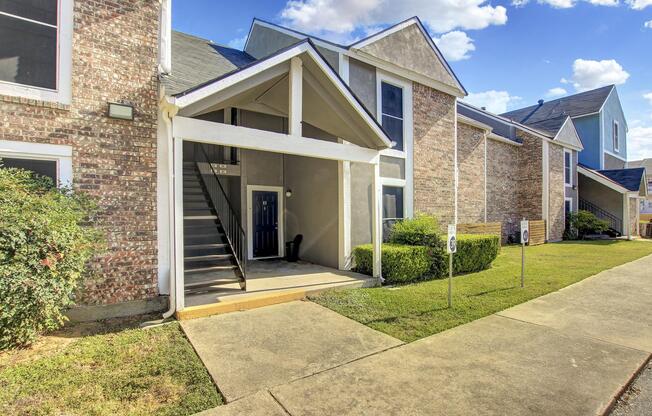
{"points": [[280, 219], [61, 154], [247, 138]]}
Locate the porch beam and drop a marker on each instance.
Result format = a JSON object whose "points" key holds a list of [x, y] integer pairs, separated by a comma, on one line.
{"points": [[295, 102], [178, 223], [376, 226], [222, 134]]}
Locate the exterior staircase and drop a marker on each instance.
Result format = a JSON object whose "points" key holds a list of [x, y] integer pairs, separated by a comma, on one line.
{"points": [[209, 260], [615, 223]]}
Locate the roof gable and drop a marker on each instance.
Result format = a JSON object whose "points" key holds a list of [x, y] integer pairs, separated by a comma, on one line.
{"points": [[567, 134], [421, 57], [576, 105]]}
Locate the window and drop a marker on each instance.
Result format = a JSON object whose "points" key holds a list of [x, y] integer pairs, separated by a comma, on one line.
{"points": [[616, 136], [568, 206], [392, 208], [568, 168], [35, 49], [54, 161], [392, 113]]}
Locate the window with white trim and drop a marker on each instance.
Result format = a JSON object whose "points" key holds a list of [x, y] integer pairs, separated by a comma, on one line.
{"points": [[391, 106], [393, 207], [53, 161], [35, 49], [616, 136], [568, 168]]}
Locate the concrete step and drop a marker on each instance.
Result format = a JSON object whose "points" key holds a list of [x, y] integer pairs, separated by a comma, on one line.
{"points": [[210, 268], [208, 257]]}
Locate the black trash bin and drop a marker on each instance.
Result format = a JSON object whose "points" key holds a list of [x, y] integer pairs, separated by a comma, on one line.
{"points": [[292, 248]]}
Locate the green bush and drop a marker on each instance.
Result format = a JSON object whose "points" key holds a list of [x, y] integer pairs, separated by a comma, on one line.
{"points": [[422, 230], [475, 252], [582, 222], [44, 246], [400, 263]]}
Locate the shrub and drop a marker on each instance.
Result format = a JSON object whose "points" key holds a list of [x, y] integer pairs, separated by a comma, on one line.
{"points": [[44, 247], [582, 222], [400, 263], [422, 230], [475, 252]]}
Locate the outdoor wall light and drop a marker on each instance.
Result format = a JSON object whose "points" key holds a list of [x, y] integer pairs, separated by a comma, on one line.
{"points": [[121, 111], [288, 193]]}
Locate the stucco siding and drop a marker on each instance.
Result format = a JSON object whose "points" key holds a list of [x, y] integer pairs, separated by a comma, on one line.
{"points": [[611, 162], [471, 166], [598, 194], [362, 80], [362, 176]]}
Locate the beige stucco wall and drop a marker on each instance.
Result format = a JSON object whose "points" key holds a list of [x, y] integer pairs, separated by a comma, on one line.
{"points": [[409, 49], [598, 194], [362, 80], [611, 162], [362, 176], [434, 152], [471, 166]]}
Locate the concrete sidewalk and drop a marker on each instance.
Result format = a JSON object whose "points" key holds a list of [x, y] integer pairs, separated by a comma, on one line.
{"points": [[567, 353]]}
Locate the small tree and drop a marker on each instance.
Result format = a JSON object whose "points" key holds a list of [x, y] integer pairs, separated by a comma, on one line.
{"points": [[582, 223], [45, 244]]}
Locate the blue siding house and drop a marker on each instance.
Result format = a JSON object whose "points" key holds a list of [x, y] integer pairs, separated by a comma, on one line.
{"points": [[605, 186]]}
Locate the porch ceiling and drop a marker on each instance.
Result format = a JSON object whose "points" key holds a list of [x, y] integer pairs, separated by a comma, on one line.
{"points": [[327, 102]]}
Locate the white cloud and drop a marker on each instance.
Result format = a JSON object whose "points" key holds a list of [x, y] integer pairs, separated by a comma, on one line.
{"points": [[588, 74], [455, 45], [566, 4], [648, 97], [556, 92], [639, 4], [494, 101], [639, 143], [237, 43], [327, 17], [648, 24]]}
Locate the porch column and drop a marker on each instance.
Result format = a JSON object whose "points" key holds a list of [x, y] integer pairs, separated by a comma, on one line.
{"points": [[376, 218], [296, 97], [344, 217], [178, 223]]}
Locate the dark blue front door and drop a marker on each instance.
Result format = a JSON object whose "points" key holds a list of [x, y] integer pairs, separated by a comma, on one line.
{"points": [[265, 223]]}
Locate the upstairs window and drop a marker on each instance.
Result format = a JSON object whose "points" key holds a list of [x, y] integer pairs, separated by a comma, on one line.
{"points": [[392, 113], [568, 168], [28, 51], [616, 136]]}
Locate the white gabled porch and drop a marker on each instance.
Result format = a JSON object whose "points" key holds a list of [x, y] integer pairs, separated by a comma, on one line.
{"points": [[321, 121]]}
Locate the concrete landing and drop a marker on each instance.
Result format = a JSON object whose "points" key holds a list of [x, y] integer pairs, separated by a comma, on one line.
{"points": [[246, 352]]}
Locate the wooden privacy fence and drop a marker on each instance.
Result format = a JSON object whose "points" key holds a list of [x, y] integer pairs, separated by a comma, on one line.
{"points": [[493, 228], [537, 232]]}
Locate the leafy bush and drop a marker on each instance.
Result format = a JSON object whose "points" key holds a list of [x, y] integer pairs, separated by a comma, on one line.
{"points": [[400, 263], [44, 246], [422, 230], [582, 222], [475, 252]]}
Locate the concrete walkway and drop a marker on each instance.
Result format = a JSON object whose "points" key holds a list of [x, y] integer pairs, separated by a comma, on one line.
{"points": [[567, 353]]}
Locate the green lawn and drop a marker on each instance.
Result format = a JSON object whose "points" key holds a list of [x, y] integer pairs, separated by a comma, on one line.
{"points": [[417, 310], [128, 372]]}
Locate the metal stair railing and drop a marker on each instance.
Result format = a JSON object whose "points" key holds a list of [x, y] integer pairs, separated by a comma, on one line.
{"points": [[614, 222], [233, 230]]}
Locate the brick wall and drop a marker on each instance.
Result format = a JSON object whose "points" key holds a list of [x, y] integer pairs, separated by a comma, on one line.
{"points": [[530, 177], [114, 59], [557, 191], [434, 152], [470, 162], [633, 216], [503, 184]]}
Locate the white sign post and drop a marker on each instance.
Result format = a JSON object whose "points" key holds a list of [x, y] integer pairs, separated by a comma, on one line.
{"points": [[525, 238], [451, 248]]}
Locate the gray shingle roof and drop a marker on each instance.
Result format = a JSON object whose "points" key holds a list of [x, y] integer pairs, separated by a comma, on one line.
{"points": [[501, 127], [574, 105], [628, 178], [196, 60], [550, 126]]}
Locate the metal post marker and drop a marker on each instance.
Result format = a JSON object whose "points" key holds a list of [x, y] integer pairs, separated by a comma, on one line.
{"points": [[525, 238], [451, 248]]}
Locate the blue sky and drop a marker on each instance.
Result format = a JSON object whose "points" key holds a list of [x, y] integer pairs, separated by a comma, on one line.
{"points": [[507, 54]]}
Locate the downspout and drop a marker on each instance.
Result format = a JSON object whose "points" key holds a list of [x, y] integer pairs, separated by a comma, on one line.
{"points": [[169, 111]]}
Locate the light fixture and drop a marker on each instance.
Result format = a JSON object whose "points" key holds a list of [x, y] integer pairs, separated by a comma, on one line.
{"points": [[288, 193], [121, 111]]}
